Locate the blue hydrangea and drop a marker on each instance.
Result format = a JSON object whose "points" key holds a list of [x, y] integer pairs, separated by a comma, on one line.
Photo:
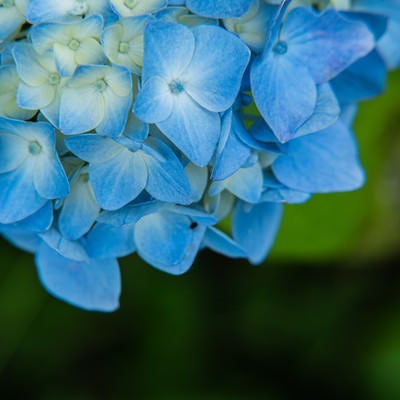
{"points": [[164, 127]]}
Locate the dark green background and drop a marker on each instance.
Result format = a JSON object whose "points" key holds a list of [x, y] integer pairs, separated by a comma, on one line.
{"points": [[320, 319]]}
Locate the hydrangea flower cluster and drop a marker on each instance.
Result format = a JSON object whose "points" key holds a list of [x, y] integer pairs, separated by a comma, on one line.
{"points": [[139, 125]]}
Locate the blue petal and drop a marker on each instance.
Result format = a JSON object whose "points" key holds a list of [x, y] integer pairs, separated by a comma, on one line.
{"points": [[71, 249], [93, 285], [45, 10], [93, 148], [167, 180], [117, 106], [13, 151], [166, 239], [231, 153], [40, 221], [119, 180], [21, 238], [323, 162], [10, 21], [284, 92], [18, 197], [163, 238], [246, 183], [215, 72], [50, 179], [254, 228], [29, 69], [194, 130], [159, 57], [79, 210], [198, 179], [81, 109], [389, 45], [108, 241], [283, 194], [154, 101], [219, 8], [131, 213], [326, 43], [364, 79], [376, 23], [326, 111], [222, 243]]}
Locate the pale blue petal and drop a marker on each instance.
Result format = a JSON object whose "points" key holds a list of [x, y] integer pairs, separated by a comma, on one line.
{"points": [[90, 52], [79, 210], [198, 178], [93, 285], [13, 151], [215, 72], [34, 97], [167, 180], [10, 21], [50, 179], [81, 109], [117, 101], [162, 59], [65, 59], [45, 35], [154, 101], [93, 148], [28, 67], [254, 228], [49, 10], [119, 180], [194, 130], [246, 183], [139, 7]]}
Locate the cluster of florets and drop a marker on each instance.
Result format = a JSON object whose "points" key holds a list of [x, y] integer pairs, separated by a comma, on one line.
{"points": [[139, 125]]}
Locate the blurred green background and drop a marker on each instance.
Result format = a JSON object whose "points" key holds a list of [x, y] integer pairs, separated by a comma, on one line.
{"points": [[320, 319]]}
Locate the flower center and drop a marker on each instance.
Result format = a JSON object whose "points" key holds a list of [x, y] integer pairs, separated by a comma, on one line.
{"points": [[100, 85], [281, 48], [130, 3], [54, 79], [74, 44], [84, 178], [80, 8], [176, 86], [34, 148], [123, 47], [7, 3], [238, 28]]}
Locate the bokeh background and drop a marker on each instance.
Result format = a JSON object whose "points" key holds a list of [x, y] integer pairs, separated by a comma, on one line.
{"points": [[320, 319]]}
